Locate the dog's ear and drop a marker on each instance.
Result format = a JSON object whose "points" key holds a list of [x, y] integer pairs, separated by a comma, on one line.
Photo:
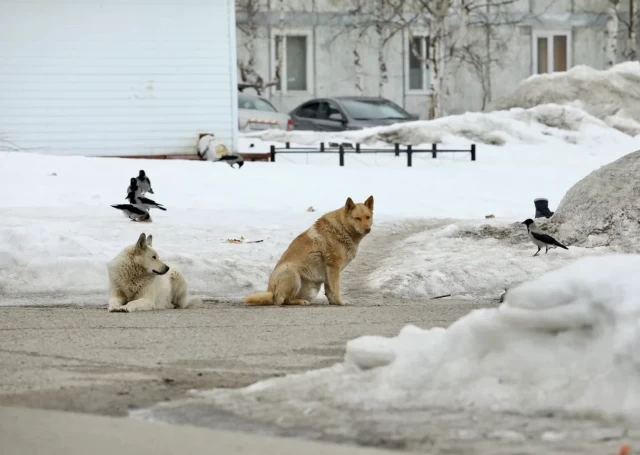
{"points": [[141, 244], [369, 203], [149, 240], [349, 205]]}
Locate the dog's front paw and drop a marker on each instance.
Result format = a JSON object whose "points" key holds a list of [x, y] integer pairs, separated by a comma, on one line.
{"points": [[335, 301], [118, 309]]}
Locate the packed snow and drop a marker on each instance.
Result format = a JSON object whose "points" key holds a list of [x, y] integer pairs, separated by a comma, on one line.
{"points": [[564, 343], [602, 208], [59, 230], [610, 95], [536, 127], [466, 260]]}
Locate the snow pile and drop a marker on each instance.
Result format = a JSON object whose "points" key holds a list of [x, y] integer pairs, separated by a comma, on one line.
{"points": [[566, 342], [602, 208], [466, 260], [536, 125], [612, 95], [58, 230]]}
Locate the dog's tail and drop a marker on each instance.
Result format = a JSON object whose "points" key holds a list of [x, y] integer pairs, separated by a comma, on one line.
{"points": [[260, 298], [194, 302]]}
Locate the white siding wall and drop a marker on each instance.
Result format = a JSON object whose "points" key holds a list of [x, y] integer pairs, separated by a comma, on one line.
{"points": [[117, 77]]}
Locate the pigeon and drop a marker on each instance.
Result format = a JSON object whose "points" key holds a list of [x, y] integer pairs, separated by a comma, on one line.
{"points": [[144, 183], [134, 213], [133, 187], [231, 160], [540, 239], [143, 202]]}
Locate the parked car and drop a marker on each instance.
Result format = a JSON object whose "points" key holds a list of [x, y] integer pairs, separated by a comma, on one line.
{"points": [[255, 113], [347, 113]]}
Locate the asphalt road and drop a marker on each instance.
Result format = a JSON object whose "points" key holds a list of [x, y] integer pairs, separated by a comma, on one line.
{"points": [[85, 359]]}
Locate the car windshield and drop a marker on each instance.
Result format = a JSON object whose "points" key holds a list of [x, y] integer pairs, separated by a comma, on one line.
{"points": [[254, 103], [373, 110]]}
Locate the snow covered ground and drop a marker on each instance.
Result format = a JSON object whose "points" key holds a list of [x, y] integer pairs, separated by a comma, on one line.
{"points": [[58, 230]]}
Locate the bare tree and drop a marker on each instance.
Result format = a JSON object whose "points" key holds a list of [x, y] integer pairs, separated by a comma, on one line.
{"points": [[497, 24], [632, 35], [360, 31], [367, 18], [249, 75], [631, 24], [611, 34]]}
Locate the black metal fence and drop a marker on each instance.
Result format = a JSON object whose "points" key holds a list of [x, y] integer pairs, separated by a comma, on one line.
{"points": [[346, 149]]}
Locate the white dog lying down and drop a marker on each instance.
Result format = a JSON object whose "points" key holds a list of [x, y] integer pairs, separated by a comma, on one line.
{"points": [[138, 281]]}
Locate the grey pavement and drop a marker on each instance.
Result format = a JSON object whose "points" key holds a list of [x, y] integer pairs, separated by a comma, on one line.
{"points": [[85, 359], [31, 432]]}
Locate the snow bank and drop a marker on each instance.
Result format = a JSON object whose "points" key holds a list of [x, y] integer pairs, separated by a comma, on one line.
{"points": [[602, 208], [612, 95], [564, 343], [538, 125], [466, 260], [58, 231]]}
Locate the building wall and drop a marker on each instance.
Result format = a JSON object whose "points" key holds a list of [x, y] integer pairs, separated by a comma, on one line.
{"points": [[117, 77], [334, 71]]}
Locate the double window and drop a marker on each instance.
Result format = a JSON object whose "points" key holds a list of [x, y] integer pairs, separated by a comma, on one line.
{"points": [[551, 51]]}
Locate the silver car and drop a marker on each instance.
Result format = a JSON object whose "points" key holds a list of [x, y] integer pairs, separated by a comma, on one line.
{"points": [[256, 113]]}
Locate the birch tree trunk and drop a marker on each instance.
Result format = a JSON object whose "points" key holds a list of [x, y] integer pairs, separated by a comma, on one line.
{"points": [[487, 95], [437, 56], [358, 65], [445, 74], [280, 43], [632, 36], [383, 75], [611, 34]]}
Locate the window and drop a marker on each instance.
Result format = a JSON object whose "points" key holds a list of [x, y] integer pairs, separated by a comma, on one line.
{"points": [[255, 103], [294, 74], [373, 110], [309, 110], [551, 51], [417, 55]]}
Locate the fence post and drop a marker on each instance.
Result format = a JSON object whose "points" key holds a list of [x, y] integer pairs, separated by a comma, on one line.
{"points": [[273, 153], [409, 153], [322, 146], [286, 144], [357, 147], [473, 152], [341, 153], [434, 150], [397, 148]]}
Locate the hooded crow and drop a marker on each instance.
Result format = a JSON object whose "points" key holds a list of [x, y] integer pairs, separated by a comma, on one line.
{"points": [[540, 239], [231, 160], [134, 213], [133, 187], [144, 183], [143, 202]]}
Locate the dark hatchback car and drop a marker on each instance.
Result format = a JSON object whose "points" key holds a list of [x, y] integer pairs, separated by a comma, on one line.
{"points": [[347, 113]]}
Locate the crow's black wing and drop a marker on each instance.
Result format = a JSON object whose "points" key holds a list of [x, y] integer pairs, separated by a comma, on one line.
{"points": [[130, 208], [547, 239], [148, 201]]}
